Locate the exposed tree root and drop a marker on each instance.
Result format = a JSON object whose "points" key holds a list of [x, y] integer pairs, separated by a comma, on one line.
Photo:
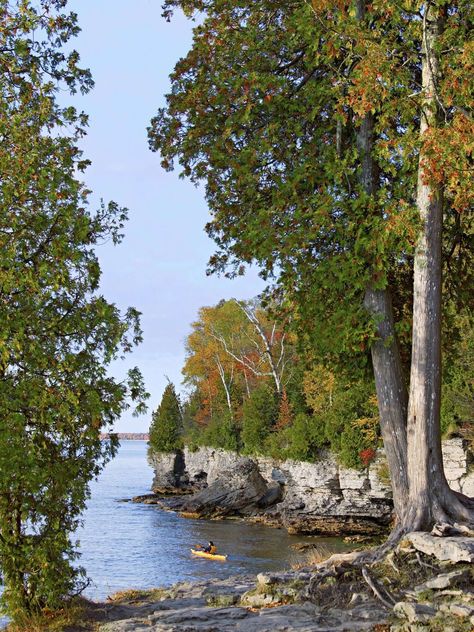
{"points": [[379, 591], [341, 562], [444, 529]]}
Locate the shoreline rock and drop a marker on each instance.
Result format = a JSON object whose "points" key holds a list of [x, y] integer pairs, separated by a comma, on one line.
{"points": [[310, 599], [321, 498]]}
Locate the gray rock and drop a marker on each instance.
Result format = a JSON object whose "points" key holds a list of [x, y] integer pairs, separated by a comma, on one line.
{"points": [[274, 495], [458, 609], [236, 491], [315, 498], [258, 600], [414, 612], [467, 484], [168, 468], [264, 579], [446, 580], [353, 479], [452, 549]]}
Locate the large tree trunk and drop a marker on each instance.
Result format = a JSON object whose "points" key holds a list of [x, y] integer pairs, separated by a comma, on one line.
{"points": [[392, 394], [389, 381], [430, 498]]}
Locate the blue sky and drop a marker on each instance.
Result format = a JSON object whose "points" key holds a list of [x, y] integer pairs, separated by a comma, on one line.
{"points": [[160, 266]]}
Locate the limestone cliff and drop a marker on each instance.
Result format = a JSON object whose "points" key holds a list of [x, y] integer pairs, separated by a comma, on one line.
{"points": [[312, 498]]}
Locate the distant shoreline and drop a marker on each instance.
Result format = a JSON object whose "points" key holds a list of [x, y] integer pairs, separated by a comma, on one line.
{"points": [[128, 436]]}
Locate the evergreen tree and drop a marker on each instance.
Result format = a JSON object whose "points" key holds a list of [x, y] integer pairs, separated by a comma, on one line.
{"points": [[167, 423], [57, 335], [338, 159], [259, 415]]}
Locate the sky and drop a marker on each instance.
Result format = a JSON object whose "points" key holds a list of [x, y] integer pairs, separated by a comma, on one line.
{"points": [[160, 266]]}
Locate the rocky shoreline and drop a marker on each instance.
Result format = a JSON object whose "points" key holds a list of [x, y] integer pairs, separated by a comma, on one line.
{"points": [[425, 584], [321, 498]]}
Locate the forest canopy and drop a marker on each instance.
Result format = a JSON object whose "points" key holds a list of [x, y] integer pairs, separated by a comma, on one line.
{"points": [[335, 144], [232, 400]]}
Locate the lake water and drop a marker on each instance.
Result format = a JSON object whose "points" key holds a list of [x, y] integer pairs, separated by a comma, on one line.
{"points": [[128, 545]]}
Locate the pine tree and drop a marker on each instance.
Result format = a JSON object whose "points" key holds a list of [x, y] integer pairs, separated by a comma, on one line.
{"points": [[167, 423]]}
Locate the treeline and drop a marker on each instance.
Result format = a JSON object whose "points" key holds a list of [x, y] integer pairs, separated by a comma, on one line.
{"points": [[253, 386]]}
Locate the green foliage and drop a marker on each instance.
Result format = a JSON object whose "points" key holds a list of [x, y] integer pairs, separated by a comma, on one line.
{"points": [[221, 433], [351, 423], [457, 410], [259, 414], [167, 423], [276, 145], [57, 335], [301, 441]]}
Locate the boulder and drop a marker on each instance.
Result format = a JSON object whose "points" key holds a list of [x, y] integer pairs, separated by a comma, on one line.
{"points": [[236, 491], [414, 612], [452, 549], [446, 580], [272, 497]]}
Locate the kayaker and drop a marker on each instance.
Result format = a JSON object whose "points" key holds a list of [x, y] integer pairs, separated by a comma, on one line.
{"points": [[210, 548]]}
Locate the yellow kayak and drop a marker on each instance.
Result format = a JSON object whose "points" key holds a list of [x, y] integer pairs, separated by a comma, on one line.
{"points": [[209, 556]]}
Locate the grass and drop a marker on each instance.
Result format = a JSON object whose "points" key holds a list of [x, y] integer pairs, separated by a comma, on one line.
{"points": [[73, 616], [138, 596], [320, 553]]}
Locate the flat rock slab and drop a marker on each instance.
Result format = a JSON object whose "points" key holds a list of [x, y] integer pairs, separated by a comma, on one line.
{"points": [[452, 549], [298, 618]]}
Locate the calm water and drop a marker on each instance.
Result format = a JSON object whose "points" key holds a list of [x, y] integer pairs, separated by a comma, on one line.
{"points": [[128, 545]]}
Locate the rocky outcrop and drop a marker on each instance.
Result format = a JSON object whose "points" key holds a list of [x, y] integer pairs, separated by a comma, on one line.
{"points": [[326, 498], [458, 466], [236, 491], [311, 498], [237, 603]]}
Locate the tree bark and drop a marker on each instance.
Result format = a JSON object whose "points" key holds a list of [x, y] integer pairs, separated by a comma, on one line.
{"points": [[275, 368], [226, 386], [389, 380], [430, 498], [392, 394]]}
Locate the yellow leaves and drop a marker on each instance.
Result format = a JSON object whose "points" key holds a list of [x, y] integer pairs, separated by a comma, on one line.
{"points": [[318, 388], [369, 425]]}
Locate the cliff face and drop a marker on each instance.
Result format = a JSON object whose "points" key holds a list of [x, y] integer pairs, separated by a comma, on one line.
{"points": [[312, 498]]}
